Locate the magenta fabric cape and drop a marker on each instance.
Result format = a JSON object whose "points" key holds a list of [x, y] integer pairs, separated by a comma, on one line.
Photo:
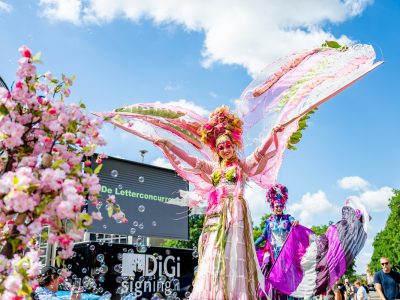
{"points": [[308, 264]]}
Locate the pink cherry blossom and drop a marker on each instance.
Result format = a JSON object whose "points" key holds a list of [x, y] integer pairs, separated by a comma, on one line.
{"points": [[43, 142], [13, 283]]}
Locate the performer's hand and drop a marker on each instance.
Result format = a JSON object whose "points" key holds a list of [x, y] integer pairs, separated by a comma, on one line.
{"points": [[163, 143], [278, 128], [75, 294], [295, 223]]}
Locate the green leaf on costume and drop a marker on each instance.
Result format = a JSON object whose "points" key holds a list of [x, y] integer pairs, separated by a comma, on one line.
{"points": [[332, 44], [150, 111], [296, 136]]}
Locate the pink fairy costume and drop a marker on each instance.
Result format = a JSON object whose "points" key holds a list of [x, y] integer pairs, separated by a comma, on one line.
{"points": [[283, 93], [228, 268]]}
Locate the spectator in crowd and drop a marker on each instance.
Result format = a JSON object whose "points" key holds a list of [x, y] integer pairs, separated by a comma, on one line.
{"points": [[387, 281], [361, 292], [340, 286], [337, 292], [49, 281], [329, 295], [349, 295]]}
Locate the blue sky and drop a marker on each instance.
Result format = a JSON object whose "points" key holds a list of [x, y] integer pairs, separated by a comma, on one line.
{"points": [[203, 55]]}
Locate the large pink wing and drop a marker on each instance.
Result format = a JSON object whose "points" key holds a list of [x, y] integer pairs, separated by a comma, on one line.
{"points": [[293, 86], [154, 121]]}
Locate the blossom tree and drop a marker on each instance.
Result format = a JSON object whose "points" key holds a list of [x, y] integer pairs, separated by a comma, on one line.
{"points": [[43, 183]]}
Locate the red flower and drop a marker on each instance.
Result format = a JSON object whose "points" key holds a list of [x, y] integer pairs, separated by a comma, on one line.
{"points": [[27, 53], [65, 240]]}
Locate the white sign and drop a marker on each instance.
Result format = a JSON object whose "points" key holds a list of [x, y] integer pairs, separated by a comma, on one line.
{"points": [[150, 265]]}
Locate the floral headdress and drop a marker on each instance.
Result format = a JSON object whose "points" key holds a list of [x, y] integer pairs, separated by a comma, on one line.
{"points": [[277, 193], [222, 123]]}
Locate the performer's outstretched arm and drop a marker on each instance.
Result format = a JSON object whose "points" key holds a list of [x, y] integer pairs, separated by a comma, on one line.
{"points": [[257, 161], [194, 162], [263, 237]]}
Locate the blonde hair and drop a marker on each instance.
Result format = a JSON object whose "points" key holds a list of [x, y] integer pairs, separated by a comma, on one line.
{"points": [[384, 257]]}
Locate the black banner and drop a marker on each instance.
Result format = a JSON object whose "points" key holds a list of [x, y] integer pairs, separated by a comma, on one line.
{"points": [[120, 270], [142, 192]]}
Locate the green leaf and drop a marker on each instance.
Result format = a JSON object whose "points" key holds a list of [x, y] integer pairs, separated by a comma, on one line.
{"points": [[84, 219], [57, 163], [110, 211], [58, 261], [72, 126], [3, 111], [36, 57], [88, 170], [296, 136], [332, 44], [98, 168], [2, 135], [150, 111]]}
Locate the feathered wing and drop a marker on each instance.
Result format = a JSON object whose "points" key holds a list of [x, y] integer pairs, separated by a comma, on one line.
{"points": [[155, 121], [287, 90]]}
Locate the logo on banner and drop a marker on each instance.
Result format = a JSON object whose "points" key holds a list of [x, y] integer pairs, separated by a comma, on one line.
{"points": [[151, 267]]}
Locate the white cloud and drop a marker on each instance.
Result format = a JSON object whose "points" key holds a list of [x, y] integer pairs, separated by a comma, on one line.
{"points": [[62, 10], [375, 200], [250, 34], [189, 105], [355, 183], [5, 7], [310, 206], [161, 162]]}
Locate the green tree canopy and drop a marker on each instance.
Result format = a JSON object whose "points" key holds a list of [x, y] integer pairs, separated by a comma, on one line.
{"points": [[387, 242]]}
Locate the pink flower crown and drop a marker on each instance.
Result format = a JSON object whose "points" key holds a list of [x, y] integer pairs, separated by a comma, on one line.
{"points": [[277, 193], [222, 122]]}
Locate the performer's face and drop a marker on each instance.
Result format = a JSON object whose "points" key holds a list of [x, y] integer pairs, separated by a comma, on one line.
{"points": [[226, 150], [278, 208]]}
